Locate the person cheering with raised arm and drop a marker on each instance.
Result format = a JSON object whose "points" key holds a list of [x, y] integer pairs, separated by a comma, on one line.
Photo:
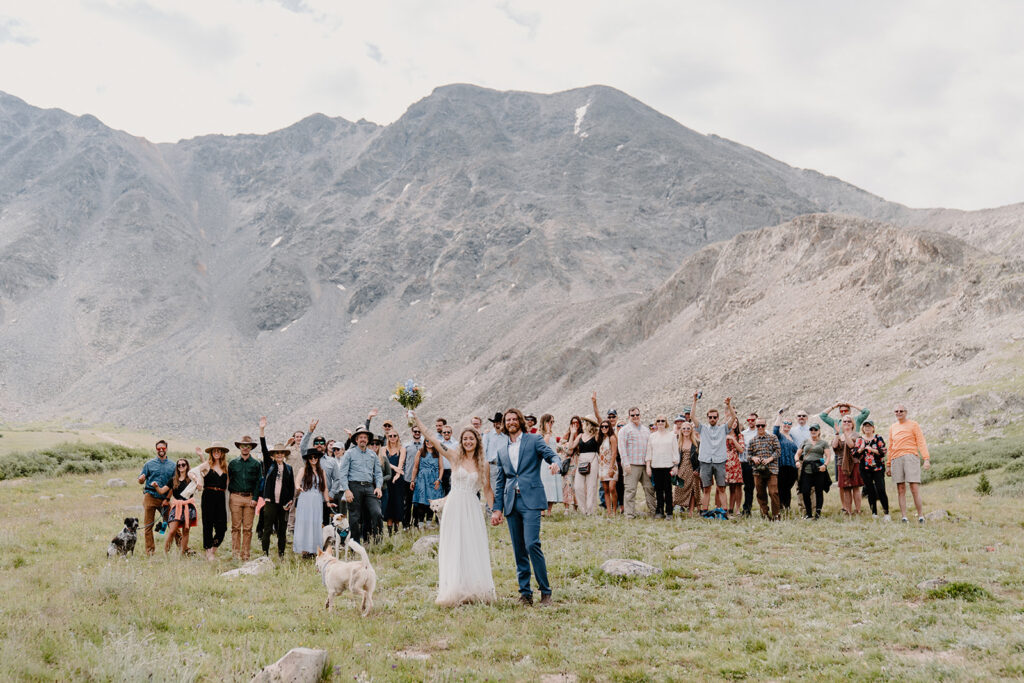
{"points": [[712, 451], [361, 482], [519, 498]]}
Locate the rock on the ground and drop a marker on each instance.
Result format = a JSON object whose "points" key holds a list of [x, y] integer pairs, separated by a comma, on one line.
{"points": [[629, 568], [937, 515], [299, 665], [684, 548], [251, 568], [417, 655], [426, 545], [116, 483], [88, 481], [932, 584], [99, 495]]}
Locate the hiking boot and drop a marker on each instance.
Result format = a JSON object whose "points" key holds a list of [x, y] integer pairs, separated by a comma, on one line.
{"points": [[545, 600], [526, 600]]}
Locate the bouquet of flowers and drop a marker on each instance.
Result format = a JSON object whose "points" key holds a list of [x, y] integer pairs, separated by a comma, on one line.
{"points": [[409, 395]]}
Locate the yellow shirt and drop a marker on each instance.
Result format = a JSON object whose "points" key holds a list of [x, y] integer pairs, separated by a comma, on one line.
{"points": [[906, 439]]}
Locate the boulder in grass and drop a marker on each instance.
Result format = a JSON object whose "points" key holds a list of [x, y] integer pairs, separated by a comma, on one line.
{"points": [[684, 548], [937, 516], [932, 584], [426, 545], [629, 568], [116, 483], [299, 665], [251, 568]]}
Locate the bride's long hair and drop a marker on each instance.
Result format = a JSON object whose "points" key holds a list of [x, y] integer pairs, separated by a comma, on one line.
{"points": [[483, 468]]}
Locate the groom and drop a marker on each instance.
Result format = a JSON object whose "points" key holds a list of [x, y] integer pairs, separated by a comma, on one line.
{"points": [[519, 497]]}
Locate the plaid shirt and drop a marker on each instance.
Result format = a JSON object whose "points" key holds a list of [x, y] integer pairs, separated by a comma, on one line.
{"points": [[765, 446], [633, 444]]}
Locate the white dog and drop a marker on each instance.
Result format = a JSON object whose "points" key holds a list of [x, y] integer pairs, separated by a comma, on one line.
{"points": [[357, 576], [336, 533]]}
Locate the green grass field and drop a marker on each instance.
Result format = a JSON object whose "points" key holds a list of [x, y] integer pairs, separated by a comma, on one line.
{"points": [[793, 600]]}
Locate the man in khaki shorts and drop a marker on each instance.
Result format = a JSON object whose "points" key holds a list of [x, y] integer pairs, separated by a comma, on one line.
{"points": [[906, 440]]}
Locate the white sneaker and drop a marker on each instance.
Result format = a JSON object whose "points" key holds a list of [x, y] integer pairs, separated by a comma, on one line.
{"points": [[874, 514], [887, 518], [920, 520]]}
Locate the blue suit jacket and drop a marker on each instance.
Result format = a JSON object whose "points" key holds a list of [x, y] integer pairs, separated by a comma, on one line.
{"points": [[533, 452]]}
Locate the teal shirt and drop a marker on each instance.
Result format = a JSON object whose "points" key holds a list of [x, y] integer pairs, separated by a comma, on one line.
{"points": [[857, 421]]}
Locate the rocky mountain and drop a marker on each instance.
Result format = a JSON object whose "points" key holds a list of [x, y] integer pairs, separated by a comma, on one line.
{"points": [[499, 246]]}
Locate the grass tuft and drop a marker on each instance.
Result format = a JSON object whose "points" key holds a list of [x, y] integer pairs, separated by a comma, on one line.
{"points": [[960, 590]]}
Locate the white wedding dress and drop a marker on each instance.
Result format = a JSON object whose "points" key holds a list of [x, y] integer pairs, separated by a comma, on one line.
{"points": [[463, 556]]}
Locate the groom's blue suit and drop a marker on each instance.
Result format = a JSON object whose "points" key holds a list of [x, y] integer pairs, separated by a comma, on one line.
{"points": [[519, 495]]}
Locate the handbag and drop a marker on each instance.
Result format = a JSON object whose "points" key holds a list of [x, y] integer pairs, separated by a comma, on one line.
{"points": [[583, 468], [564, 467]]}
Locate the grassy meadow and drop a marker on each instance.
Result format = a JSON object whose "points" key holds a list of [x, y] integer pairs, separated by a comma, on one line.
{"points": [[746, 600]]}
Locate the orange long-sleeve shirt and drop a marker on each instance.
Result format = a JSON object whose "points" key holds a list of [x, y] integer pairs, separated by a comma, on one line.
{"points": [[906, 439]]}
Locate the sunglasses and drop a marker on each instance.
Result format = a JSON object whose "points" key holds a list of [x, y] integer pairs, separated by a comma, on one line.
{"points": [[790, 424], [661, 422], [634, 414], [605, 427], [801, 415], [898, 412], [712, 417], [182, 464]]}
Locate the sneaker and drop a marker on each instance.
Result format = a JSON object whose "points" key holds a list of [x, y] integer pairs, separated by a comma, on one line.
{"points": [[904, 520], [887, 518], [659, 516], [875, 515], [920, 520]]}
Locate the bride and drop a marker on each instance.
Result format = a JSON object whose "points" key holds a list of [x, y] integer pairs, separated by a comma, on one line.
{"points": [[463, 556]]}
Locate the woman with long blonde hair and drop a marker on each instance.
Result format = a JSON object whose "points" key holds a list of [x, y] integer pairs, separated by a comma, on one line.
{"points": [[463, 558]]}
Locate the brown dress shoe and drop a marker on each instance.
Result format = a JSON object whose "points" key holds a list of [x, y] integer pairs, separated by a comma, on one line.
{"points": [[526, 600], [545, 600]]}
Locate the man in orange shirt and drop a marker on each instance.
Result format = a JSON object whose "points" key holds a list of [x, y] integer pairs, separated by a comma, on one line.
{"points": [[906, 440]]}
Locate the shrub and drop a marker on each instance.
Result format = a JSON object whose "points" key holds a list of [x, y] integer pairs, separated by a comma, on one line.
{"points": [[960, 590], [984, 487], [70, 458]]}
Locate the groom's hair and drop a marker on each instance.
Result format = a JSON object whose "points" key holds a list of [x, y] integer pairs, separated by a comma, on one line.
{"points": [[518, 413]]}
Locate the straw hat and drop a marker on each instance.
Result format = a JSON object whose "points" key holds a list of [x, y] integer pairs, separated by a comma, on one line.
{"points": [[218, 445], [279, 448]]}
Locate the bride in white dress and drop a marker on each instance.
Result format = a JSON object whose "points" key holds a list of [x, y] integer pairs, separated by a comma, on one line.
{"points": [[463, 556]]}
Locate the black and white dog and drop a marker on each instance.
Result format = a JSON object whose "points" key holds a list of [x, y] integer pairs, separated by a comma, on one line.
{"points": [[124, 542]]}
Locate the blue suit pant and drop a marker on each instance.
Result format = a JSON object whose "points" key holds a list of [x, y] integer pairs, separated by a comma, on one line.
{"points": [[524, 528]]}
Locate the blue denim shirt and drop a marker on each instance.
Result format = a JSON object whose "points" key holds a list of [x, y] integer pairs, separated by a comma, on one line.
{"points": [[160, 471], [360, 465], [789, 447]]}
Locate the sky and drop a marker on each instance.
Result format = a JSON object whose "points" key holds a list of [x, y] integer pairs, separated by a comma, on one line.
{"points": [[918, 102]]}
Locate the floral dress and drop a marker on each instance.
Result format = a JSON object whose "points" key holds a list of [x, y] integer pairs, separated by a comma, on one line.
{"points": [[606, 462], [733, 466]]}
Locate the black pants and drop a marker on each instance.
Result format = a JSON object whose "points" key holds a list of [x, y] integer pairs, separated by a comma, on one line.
{"points": [[407, 515], [620, 486], [662, 481], [787, 477], [446, 482], [215, 518], [748, 487], [275, 518], [421, 513], [815, 482], [364, 518], [874, 486]]}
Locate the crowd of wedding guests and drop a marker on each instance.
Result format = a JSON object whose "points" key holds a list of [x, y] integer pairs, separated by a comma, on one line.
{"points": [[383, 482]]}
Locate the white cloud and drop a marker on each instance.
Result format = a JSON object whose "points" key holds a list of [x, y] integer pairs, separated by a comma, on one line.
{"points": [[916, 101]]}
